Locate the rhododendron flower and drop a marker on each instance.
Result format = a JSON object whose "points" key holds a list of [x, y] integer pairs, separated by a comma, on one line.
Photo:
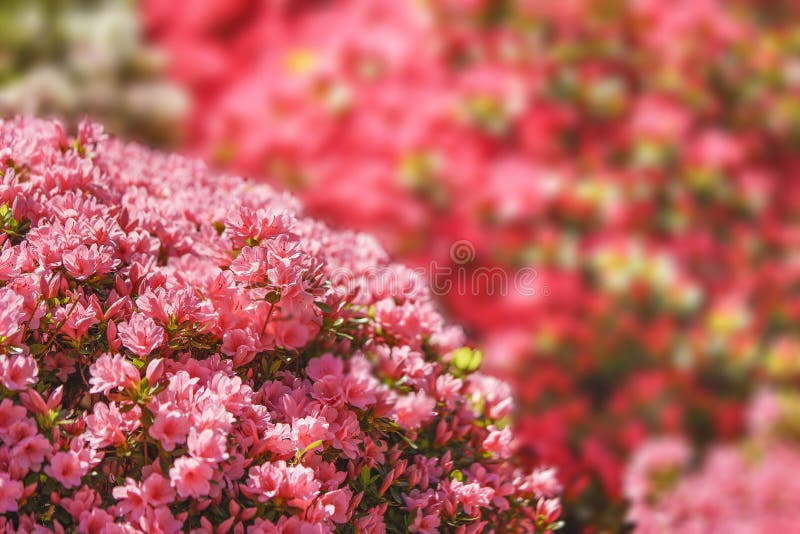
{"points": [[66, 468], [141, 334], [10, 493], [207, 445], [11, 314], [107, 425], [29, 453], [190, 477], [18, 372], [413, 410], [83, 262], [112, 372], [470, 496], [170, 427]]}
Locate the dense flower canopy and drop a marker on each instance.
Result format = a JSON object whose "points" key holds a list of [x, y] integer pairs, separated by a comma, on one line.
{"points": [[181, 350]]}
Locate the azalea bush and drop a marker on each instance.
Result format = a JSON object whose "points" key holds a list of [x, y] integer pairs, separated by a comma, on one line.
{"points": [[182, 351], [642, 157], [749, 487]]}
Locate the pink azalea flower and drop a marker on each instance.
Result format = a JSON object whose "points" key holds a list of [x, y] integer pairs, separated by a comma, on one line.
{"points": [[107, 425], [207, 445], [10, 493], [66, 468], [30, 452], [83, 262], [414, 410], [190, 477], [156, 490], [325, 365], [110, 372], [170, 427], [18, 372], [141, 335]]}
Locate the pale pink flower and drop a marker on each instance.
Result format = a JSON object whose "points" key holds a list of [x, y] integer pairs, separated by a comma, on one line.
{"points": [[358, 391], [66, 468], [11, 313], [325, 365], [499, 442], [240, 346], [335, 504], [110, 372], [307, 430], [83, 262], [131, 502], [83, 500], [10, 493], [190, 477], [10, 413], [98, 520], [264, 481], [329, 390], [299, 486], [207, 445], [413, 410], [170, 427], [108, 425], [18, 372], [18, 430], [30, 452], [160, 520], [293, 335], [471, 496], [141, 334], [156, 490]]}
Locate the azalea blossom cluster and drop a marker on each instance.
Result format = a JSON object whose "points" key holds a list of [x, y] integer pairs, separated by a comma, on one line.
{"points": [[751, 487], [175, 356], [76, 57], [641, 156]]}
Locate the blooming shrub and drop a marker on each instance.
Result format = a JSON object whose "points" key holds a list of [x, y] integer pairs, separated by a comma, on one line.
{"points": [[183, 351], [750, 488], [641, 156]]}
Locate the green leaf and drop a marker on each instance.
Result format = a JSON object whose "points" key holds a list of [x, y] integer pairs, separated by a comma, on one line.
{"points": [[364, 476], [311, 446], [37, 348], [466, 360]]}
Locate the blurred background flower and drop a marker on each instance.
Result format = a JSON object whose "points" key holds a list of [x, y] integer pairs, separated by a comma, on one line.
{"points": [[70, 58]]}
